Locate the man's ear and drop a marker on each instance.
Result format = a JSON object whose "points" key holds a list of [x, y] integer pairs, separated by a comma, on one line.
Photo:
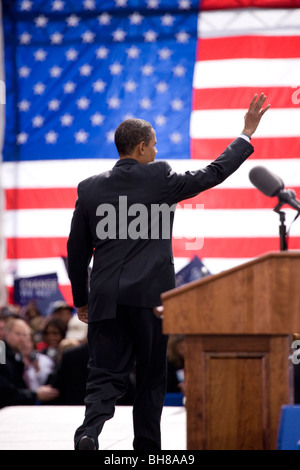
{"points": [[141, 147]]}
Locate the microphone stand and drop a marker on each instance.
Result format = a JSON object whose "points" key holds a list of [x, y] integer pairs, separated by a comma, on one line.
{"points": [[282, 227]]}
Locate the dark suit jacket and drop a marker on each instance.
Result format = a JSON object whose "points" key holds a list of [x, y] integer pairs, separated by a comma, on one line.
{"points": [[126, 270]]}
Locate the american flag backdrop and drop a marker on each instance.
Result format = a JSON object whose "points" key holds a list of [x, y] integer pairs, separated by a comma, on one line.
{"points": [[74, 69]]}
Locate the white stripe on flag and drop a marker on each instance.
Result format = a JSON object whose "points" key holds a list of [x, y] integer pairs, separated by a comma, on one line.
{"points": [[240, 22], [188, 222], [51, 173], [224, 123], [247, 73], [35, 267], [68, 173]]}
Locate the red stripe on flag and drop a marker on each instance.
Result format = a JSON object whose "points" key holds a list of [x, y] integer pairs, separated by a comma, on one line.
{"points": [[67, 293], [34, 248], [42, 198], [226, 4], [216, 198], [265, 148], [240, 98], [258, 47], [233, 198]]}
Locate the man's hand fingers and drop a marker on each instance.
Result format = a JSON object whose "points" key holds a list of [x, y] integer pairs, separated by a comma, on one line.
{"points": [[254, 113], [253, 101], [261, 100], [82, 313], [83, 319], [258, 104], [265, 109]]}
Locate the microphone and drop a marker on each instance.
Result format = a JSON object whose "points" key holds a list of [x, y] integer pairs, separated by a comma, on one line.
{"points": [[288, 196], [266, 181], [272, 185]]}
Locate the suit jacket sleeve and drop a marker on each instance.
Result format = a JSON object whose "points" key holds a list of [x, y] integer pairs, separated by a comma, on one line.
{"points": [[191, 183], [80, 250]]}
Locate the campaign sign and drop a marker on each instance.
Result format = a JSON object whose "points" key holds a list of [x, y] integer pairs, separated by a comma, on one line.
{"points": [[42, 289], [192, 271]]}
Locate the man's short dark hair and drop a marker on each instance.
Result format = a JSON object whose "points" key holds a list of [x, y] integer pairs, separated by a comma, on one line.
{"points": [[130, 133]]}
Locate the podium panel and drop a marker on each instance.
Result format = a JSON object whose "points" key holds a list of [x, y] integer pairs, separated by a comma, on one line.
{"points": [[238, 372], [234, 391]]}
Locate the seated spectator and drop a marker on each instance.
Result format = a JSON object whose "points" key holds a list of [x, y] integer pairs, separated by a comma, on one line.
{"points": [[34, 318], [76, 334], [60, 309], [72, 370], [71, 375], [77, 330], [13, 389], [10, 311], [38, 367], [54, 332]]}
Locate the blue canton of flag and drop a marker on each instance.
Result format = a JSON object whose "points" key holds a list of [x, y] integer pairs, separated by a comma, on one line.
{"points": [[81, 67]]}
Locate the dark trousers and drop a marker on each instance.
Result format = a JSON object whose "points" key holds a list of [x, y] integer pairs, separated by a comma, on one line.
{"points": [[133, 339]]}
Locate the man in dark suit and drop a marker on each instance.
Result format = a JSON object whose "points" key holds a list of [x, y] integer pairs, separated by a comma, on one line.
{"points": [[123, 218]]}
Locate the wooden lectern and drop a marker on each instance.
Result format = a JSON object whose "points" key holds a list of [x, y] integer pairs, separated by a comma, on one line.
{"points": [[238, 326]]}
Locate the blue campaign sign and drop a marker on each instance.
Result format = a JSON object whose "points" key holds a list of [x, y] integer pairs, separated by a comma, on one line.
{"points": [[192, 271], [42, 289]]}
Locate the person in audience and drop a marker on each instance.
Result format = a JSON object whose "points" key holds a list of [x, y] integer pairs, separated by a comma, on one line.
{"points": [[54, 332], [72, 359], [71, 375], [13, 388], [35, 320], [76, 334], [38, 367], [77, 330], [10, 311], [63, 311]]}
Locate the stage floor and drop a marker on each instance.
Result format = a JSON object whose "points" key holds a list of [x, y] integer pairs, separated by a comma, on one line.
{"points": [[52, 428]]}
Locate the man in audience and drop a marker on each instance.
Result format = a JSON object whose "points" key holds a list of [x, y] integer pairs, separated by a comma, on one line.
{"points": [[62, 310], [13, 389]]}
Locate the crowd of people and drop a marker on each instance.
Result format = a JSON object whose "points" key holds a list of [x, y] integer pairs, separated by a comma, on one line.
{"points": [[46, 358], [34, 350]]}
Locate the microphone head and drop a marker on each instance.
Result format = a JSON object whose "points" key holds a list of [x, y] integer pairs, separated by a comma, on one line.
{"points": [[266, 181]]}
